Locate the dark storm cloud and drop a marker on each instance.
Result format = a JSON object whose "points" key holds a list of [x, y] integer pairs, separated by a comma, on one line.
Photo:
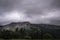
{"points": [[56, 3], [8, 5], [34, 11]]}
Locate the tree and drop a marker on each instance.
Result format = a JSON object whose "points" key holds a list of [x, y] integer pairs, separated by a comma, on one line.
{"points": [[16, 29], [47, 36], [22, 33]]}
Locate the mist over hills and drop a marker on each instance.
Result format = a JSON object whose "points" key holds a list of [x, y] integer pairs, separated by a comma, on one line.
{"points": [[27, 25], [43, 28]]}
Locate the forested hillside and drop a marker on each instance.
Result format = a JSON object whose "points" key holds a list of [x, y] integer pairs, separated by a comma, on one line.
{"points": [[26, 30]]}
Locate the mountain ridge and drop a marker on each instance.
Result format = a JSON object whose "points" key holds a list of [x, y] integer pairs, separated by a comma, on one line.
{"points": [[28, 25]]}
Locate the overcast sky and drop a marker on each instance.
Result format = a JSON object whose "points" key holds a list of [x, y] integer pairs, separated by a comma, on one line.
{"points": [[34, 11]]}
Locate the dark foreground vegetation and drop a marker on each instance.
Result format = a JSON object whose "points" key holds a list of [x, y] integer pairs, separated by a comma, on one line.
{"points": [[32, 33]]}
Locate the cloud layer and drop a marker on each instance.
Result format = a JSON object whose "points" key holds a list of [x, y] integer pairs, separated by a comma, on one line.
{"points": [[34, 11]]}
